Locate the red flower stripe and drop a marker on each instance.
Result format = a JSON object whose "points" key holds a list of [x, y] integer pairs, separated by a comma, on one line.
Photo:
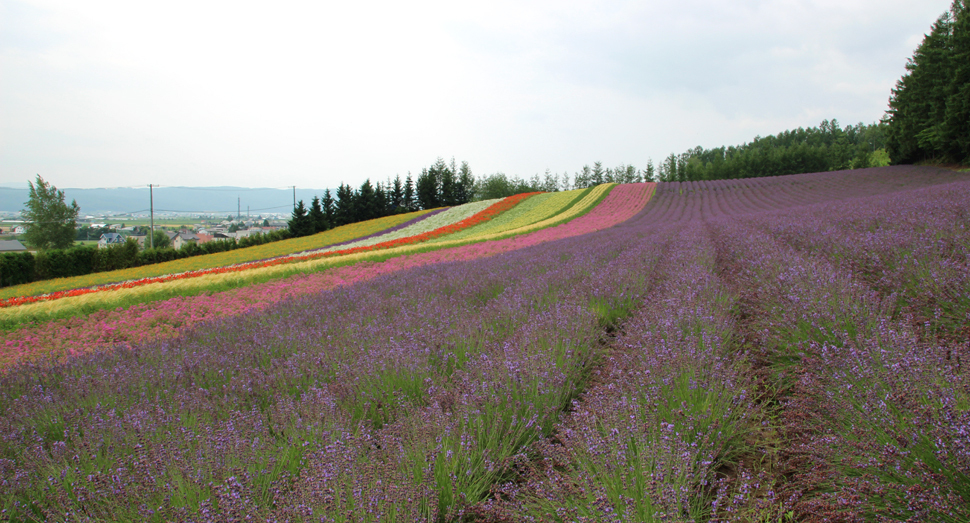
{"points": [[480, 217]]}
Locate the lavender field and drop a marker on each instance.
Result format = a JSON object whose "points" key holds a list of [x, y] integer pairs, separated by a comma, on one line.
{"points": [[775, 349]]}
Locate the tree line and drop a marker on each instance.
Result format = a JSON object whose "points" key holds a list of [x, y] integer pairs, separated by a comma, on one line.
{"points": [[827, 147], [442, 184], [929, 110], [25, 267]]}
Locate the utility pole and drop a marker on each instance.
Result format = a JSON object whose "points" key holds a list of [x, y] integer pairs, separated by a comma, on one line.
{"points": [[151, 207], [294, 197], [238, 207]]}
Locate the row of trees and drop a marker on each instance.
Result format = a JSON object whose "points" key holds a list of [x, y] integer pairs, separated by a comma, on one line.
{"points": [[929, 111], [26, 267], [827, 147], [442, 184]]}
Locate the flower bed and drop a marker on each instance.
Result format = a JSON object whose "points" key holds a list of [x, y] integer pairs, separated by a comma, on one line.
{"points": [[530, 211], [21, 293], [165, 318], [37, 306]]}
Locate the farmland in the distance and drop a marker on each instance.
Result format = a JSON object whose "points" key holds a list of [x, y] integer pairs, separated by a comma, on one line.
{"points": [[769, 349]]}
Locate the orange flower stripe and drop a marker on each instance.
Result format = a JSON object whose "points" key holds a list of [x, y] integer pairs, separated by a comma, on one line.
{"points": [[483, 216]]}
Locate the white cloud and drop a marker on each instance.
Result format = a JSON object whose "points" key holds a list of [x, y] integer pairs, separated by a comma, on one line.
{"points": [[120, 93]]}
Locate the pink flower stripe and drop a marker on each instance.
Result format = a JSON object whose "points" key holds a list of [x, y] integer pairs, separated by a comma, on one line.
{"points": [[167, 318], [482, 216]]}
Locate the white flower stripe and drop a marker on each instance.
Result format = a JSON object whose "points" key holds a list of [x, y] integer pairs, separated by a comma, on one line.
{"points": [[446, 217]]}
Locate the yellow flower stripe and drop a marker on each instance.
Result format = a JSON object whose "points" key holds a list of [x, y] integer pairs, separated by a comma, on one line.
{"points": [[219, 259], [532, 210], [581, 206], [101, 300]]}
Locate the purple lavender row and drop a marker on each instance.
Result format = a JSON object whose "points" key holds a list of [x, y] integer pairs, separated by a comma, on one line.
{"points": [[671, 406], [407, 395], [418, 396], [874, 413]]}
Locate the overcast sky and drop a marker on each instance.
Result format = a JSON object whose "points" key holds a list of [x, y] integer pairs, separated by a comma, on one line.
{"points": [[100, 93]]}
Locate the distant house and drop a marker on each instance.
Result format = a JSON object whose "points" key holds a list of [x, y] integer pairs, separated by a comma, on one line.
{"points": [[11, 246], [183, 238], [142, 239], [208, 237], [20, 229], [110, 238]]}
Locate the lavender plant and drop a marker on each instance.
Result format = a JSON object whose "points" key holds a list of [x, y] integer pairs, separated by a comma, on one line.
{"points": [[630, 374]]}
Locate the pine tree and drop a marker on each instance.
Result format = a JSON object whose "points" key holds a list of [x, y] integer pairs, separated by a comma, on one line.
{"points": [[328, 208], [465, 188], [344, 212], [365, 205], [409, 199], [597, 174], [397, 194], [427, 189], [917, 108], [317, 217], [584, 178], [300, 224], [446, 182], [956, 127]]}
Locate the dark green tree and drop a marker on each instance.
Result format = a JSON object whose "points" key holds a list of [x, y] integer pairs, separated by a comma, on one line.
{"points": [[930, 105], [344, 211], [956, 128], [51, 223], [300, 224], [465, 188], [428, 190], [410, 202], [317, 216], [327, 204], [397, 195], [383, 200], [446, 182], [366, 204]]}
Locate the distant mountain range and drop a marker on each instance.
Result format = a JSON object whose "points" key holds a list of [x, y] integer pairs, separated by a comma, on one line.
{"points": [[185, 200]]}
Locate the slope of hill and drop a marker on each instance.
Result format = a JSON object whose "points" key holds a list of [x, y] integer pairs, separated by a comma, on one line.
{"points": [[744, 350]]}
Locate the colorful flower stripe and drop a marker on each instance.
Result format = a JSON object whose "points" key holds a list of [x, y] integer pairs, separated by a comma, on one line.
{"points": [[237, 275], [445, 218], [166, 318], [408, 223], [485, 215], [533, 210], [20, 305], [208, 261]]}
